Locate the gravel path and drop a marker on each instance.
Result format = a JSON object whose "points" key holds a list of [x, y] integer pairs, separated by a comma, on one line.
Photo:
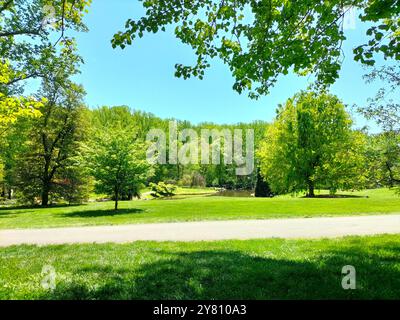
{"points": [[208, 230]]}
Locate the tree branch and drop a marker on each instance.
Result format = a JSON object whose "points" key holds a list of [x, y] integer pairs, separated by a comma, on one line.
{"points": [[62, 24], [32, 75], [20, 32], [6, 5]]}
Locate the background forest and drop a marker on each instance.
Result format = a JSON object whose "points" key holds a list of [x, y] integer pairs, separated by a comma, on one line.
{"points": [[53, 158]]}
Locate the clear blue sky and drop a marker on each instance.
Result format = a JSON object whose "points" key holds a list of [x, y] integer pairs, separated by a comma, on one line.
{"points": [[142, 75]]}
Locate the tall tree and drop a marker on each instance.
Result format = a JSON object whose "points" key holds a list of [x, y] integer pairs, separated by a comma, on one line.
{"points": [[115, 156], [311, 145], [259, 40], [54, 137], [384, 110], [12, 146]]}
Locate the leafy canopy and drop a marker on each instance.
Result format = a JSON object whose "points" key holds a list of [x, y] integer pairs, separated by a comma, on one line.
{"points": [[261, 39], [311, 145], [49, 166], [116, 158], [27, 48]]}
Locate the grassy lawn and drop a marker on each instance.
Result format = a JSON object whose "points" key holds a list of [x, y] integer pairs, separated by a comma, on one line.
{"points": [[200, 207], [179, 192], [254, 269]]}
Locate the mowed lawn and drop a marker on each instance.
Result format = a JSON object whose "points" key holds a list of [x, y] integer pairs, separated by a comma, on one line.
{"points": [[251, 269], [201, 207]]}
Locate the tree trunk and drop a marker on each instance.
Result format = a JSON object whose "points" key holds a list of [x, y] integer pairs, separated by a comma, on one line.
{"points": [[311, 193], [46, 181], [116, 199], [45, 194], [178, 171]]}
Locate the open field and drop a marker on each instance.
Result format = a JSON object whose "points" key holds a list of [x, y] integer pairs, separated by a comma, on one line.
{"points": [[197, 208], [251, 269]]}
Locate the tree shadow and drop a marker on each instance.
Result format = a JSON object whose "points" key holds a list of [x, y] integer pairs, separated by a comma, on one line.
{"points": [[100, 213], [38, 207], [11, 213], [334, 196], [226, 274]]}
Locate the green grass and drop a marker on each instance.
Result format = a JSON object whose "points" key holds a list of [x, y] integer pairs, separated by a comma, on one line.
{"points": [[194, 191], [195, 208], [252, 269], [182, 192]]}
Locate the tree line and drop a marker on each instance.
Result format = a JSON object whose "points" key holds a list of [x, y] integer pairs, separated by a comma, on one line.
{"points": [[71, 151]]}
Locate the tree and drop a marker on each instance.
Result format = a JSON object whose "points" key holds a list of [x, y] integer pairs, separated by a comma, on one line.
{"points": [[116, 159], [383, 159], [53, 139], [311, 145], [259, 40], [29, 51], [384, 109], [13, 145]]}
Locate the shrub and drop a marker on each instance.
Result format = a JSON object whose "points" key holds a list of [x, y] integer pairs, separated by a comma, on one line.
{"points": [[162, 190]]}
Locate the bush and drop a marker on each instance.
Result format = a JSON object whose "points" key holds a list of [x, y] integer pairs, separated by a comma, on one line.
{"points": [[162, 190]]}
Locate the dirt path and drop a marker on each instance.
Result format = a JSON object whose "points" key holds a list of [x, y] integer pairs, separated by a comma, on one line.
{"points": [[208, 230]]}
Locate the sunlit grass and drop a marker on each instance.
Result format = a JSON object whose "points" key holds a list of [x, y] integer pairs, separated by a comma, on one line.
{"points": [[251, 269], [201, 207]]}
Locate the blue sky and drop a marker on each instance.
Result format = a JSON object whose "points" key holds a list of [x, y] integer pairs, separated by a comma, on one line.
{"points": [[142, 75]]}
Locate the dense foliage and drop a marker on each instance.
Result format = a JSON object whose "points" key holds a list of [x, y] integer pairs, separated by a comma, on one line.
{"points": [[48, 167], [384, 110], [27, 50], [115, 156], [311, 145], [162, 189]]}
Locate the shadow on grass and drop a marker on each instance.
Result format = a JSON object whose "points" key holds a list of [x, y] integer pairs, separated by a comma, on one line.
{"points": [[100, 213], [37, 207], [228, 274], [334, 196], [14, 211]]}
